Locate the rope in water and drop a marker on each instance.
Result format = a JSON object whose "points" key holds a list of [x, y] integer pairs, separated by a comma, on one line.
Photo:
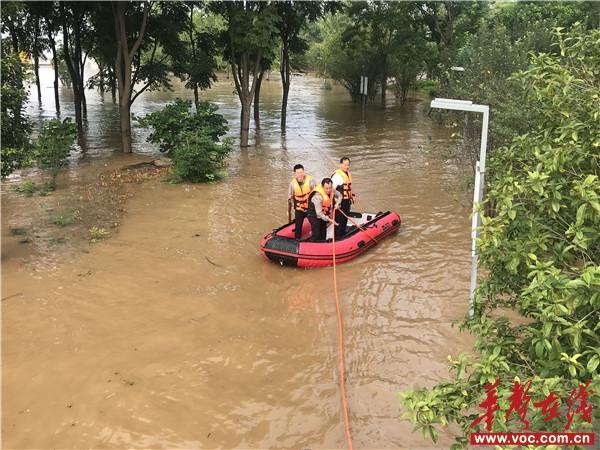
{"points": [[356, 199], [339, 319], [341, 343]]}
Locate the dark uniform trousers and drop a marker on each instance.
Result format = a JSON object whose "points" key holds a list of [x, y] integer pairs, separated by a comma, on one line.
{"points": [[299, 220], [319, 229], [340, 230]]}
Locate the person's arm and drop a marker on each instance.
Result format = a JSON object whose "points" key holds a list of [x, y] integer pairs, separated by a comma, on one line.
{"points": [[290, 205], [338, 197], [318, 203]]}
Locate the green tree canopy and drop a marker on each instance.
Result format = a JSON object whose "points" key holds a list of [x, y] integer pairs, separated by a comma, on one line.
{"points": [[540, 251]]}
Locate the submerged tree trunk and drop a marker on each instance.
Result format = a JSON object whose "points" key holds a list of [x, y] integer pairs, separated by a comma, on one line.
{"points": [[74, 83], [113, 84], [241, 71], [73, 61], [123, 68], [125, 126], [284, 69], [55, 66], [257, 100], [245, 123], [383, 88], [36, 57], [36, 70], [81, 67], [196, 96]]}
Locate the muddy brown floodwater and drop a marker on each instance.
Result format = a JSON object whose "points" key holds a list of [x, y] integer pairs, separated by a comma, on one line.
{"points": [[174, 332]]}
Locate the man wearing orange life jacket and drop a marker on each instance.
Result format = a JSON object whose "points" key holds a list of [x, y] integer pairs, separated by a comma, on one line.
{"points": [[300, 188], [321, 201], [342, 182]]}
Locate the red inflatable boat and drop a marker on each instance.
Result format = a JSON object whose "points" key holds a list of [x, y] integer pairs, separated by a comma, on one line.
{"points": [[280, 245]]}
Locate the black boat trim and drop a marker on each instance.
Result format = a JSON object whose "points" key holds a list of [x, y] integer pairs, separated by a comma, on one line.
{"points": [[312, 257]]}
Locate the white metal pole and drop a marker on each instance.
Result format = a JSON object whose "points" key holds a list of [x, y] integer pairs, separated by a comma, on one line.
{"points": [[474, 233], [466, 105]]}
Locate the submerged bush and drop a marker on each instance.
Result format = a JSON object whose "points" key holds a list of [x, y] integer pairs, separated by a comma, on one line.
{"points": [[53, 145], [16, 158], [192, 139], [97, 234], [177, 118], [198, 157], [26, 187]]}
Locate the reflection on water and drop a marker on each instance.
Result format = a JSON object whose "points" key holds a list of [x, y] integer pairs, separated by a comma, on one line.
{"points": [[176, 333]]}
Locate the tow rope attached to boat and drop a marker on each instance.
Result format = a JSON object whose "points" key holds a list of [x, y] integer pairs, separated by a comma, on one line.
{"points": [[357, 226], [341, 344]]}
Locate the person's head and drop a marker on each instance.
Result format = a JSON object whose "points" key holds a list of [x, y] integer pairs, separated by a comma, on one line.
{"points": [[345, 163], [299, 172], [327, 185]]}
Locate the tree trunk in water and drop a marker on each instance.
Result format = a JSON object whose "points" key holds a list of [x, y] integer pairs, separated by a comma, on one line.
{"points": [[55, 64], [83, 100], [73, 67], [77, 104], [101, 84], [125, 122], [123, 68], [241, 71], [404, 91], [285, 83], [36, 56], [383, 88], [80, 69], [36, 70], [113, 85], [245, 123], [257, 101]]}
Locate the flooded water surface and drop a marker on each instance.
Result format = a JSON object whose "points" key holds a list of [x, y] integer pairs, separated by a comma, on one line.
{"points": [[175, 333]]}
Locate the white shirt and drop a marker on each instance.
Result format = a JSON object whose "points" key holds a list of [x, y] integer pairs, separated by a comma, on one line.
{"points": [[337, 179]]}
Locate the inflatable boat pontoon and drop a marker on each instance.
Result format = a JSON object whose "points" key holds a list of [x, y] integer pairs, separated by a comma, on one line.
{"points": [[280, 245]]}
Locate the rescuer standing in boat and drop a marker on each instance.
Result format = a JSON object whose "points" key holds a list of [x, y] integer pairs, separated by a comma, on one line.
{"points": [[300, 188], [342, 182], [321, 200]]}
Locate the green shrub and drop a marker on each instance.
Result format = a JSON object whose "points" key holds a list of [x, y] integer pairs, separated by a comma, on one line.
{"points": [[26, 187], [65, 218], [48, 187], [97, 234], [431, 87], [192, 139], [53, 145], [15, 158], [177, 118], [15, 128], [540, 252], [199, 158]]}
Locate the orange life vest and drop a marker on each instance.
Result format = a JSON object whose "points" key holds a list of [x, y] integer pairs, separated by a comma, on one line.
{"points": [[326, 202], [301, 193], [347, 177]]}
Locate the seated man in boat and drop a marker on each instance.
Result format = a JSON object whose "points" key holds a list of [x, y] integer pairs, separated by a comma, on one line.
{"points": [[342, 182], [321, 200], [300, 188]]}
